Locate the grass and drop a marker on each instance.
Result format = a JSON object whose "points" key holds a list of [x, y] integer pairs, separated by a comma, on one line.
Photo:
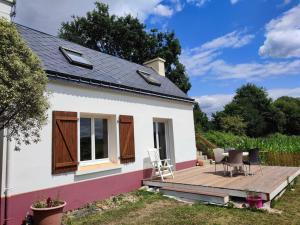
{"points": [[151, 208]]}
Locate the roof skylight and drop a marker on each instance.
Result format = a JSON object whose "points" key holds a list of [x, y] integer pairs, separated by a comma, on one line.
{"points": [[75, 58], [148, 78]]}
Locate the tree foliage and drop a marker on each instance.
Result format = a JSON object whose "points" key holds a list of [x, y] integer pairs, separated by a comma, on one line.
{"points": [[23, 102], [252, 104], [200, 119], [233, 124], [290, 114], [261, 115], [127, 38]]}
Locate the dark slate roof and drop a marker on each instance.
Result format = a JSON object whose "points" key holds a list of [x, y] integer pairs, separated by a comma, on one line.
{"points": [[108, 71]]}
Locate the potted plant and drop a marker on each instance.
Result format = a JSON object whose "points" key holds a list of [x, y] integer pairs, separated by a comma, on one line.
{"points": [[254, 200], [48, 211]]}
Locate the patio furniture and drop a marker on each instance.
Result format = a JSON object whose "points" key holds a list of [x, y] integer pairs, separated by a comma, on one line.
{"points": [[219, 158], [226, 154], [161, 168], [235, 161], [254, 159], [228, 149]]}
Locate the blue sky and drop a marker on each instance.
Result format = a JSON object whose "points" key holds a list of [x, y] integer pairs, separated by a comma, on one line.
{"points": [[225, 43]]}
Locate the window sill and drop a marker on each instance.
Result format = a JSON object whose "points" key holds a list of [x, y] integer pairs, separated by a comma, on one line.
{"points": [[96, 168]]}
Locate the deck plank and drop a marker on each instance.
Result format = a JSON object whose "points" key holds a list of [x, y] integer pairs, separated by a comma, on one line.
{"points": [[272, 178]]}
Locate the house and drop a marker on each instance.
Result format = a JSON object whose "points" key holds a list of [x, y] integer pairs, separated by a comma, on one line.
{"points": [[105, 113], [6, 8]]}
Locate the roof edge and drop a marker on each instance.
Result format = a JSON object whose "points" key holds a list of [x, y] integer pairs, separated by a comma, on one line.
{"points": [[61, 76]]}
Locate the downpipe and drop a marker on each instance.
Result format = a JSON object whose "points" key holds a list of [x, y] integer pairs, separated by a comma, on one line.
{"points": [[7, 177]]}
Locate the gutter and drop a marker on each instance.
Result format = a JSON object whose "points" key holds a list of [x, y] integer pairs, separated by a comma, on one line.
{"points": [[62, 76]]}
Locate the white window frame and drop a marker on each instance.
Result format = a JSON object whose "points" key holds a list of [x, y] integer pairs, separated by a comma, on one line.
{"points": [[93, 160]]}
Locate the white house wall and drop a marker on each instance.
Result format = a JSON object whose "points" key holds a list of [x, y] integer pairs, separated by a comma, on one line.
{"points": [[5, 8], [2, 164], [31, 168]]}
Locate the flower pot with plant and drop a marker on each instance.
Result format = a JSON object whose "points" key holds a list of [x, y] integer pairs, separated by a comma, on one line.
{"points": [[48, 211], [254, 199]]}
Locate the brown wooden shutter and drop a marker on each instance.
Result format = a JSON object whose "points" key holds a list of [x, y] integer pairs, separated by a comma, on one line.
{"points": [[126, 130], [64, 142]]}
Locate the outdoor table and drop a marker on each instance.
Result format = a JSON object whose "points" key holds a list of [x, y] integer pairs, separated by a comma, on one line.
{"points": [[226, 154]]}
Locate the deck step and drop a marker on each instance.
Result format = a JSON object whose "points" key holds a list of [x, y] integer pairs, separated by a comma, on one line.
{"points": [[203, 157], [205, 162], [203, 196]]}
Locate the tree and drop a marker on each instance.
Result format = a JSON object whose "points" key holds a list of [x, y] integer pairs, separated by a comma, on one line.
{"points": [[289, 107], [233, 124], [126, 37], [254, 106], [23, 102], [200, 119]]}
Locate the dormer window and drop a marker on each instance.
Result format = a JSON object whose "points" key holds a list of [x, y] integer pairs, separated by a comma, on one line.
{"points": [[148, 78], [75, 58]]}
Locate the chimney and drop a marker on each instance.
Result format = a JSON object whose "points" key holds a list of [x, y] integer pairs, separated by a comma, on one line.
{"points": [[158, 64], [6, 8]]}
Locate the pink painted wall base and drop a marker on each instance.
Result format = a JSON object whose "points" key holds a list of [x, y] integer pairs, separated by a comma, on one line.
{"points": [[78, 194]]}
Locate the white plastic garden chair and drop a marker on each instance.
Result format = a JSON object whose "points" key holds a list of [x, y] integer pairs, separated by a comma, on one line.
{"points": [[161, 168]]}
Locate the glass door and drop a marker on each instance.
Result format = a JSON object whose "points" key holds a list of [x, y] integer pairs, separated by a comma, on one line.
{"points": [[159, 132]]}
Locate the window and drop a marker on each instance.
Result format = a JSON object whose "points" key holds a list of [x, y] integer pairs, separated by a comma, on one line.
{"points": [[93, 139], [101, 139], [148, 78], [85, 139], [75, 58], [159, 133]]}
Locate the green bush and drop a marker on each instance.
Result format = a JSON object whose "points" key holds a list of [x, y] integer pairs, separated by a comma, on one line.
{"points": [[274, 142], [233, 124]]}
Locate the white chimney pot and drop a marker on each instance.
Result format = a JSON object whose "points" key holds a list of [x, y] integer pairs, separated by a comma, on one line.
{"points": [[158, 64]]}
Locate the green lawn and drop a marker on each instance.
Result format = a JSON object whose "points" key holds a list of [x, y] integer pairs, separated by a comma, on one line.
{"points": [[142, 207]]}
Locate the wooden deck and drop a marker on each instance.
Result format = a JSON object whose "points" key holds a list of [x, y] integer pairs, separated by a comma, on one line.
{"points": [[273, 180]]}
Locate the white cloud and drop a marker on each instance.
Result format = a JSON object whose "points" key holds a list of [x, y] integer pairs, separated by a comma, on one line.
{"points": [[213, 103], [284, 3], [234, 1], [140, 9], [234, 39], [202, 59], [287, 2], [276, 93], [201, 3], [252, 71], [283, 35], [198, 3], [163, 10], [205, 60], [47, 15], [177, 5]]}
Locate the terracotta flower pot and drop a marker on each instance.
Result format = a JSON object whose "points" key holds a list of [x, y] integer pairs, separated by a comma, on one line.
{"points": [[199, 163], [48, 216], [255, 201]]}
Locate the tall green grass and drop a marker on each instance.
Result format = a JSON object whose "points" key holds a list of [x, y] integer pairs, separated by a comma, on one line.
{"points": [[275, 142]]}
